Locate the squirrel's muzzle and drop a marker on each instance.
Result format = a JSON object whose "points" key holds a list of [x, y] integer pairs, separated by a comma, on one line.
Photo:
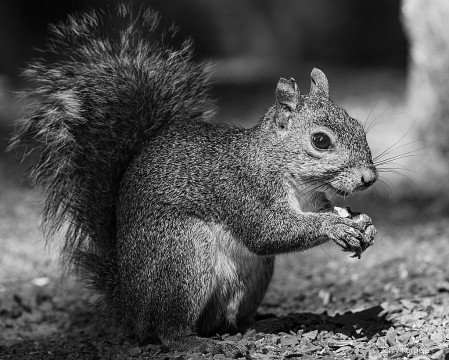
{"points": [[369, 176]]}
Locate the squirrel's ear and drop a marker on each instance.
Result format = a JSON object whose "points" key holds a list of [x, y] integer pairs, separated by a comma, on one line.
{"points": [[287, 99], [320, 85]]}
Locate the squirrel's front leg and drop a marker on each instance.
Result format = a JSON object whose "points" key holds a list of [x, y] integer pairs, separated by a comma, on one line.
{"points": [[283, 230]]}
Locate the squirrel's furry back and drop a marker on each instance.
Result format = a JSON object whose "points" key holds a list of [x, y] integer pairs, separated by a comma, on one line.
{"points": [[91, 111]]}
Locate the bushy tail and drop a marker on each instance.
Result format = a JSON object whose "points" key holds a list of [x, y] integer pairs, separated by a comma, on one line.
{"points": [[114, 87]]}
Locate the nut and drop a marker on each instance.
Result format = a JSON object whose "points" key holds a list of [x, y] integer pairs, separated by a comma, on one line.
{"points": [[343, 212], [355, 216]]}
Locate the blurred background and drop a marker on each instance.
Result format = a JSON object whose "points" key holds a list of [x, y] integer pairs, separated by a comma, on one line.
{"points": [[387, 62], [252, 35]]}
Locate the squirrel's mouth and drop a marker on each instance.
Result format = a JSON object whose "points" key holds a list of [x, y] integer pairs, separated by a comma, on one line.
{"points": [[311, 196]]}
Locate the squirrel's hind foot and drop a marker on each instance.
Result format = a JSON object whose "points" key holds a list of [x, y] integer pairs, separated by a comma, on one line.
{"points": [[203, 345]]}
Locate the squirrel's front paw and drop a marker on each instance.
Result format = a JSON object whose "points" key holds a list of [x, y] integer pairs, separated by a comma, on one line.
{"points": [[353, 232]]}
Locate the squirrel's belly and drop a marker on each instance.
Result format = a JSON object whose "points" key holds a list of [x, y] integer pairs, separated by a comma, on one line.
{"points": [[241, 277]]}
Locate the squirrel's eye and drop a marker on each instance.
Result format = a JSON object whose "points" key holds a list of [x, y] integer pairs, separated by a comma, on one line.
{"points": [[321, 141]]}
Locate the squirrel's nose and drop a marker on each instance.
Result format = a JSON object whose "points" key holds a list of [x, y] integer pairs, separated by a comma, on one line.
{"points": [[369, 176]]}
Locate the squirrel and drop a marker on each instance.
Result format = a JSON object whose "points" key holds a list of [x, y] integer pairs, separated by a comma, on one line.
{"points": [[173, 219]]}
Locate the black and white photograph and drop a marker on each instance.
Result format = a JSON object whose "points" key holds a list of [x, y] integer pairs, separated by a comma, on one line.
{"points": [[223, 179]]}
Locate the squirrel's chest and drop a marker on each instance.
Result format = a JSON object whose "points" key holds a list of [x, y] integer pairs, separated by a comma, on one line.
{"points": [[240, 276]]}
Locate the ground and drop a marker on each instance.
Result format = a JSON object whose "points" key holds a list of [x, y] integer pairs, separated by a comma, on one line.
{"points": [[392, 303]]}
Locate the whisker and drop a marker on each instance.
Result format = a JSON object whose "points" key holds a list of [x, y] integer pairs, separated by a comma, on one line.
{"points": [[332, 194], [386, 162], [407, 152], [374, 189], [314, 187], [386, 188], [311, 184], [403, 175], [385, 170], [402, 167], [397, 157], [364, 125], [374, 124], [394, 149], [397, 142], [387, 181]]}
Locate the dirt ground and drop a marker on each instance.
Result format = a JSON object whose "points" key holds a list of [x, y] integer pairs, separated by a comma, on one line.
{"points": [[392, 303]]}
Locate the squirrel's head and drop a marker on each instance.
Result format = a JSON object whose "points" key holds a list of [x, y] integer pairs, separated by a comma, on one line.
{"points": [[320, 145]]}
